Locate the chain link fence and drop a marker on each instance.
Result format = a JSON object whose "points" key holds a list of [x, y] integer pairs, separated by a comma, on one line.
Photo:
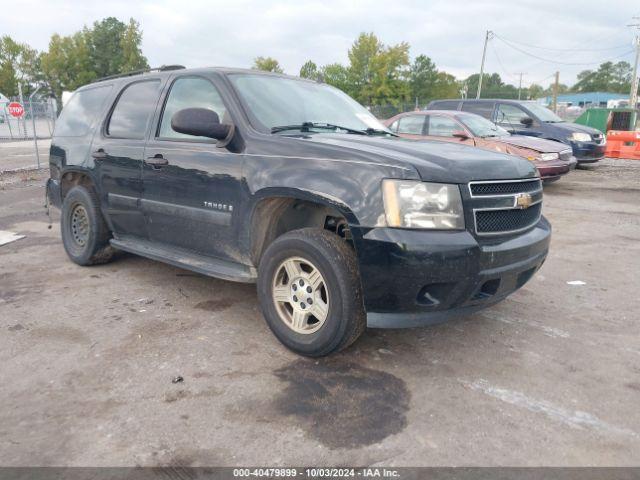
{"points": [[382, 112], [38, 121]]}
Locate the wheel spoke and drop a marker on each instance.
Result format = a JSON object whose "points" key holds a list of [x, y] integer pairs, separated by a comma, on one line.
{"points": [[292, 268], [299, 319], [319, 310], [315, 279], [281, 294]]}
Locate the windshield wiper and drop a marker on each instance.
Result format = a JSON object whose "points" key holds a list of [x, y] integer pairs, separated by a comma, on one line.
{"points": [[305, 126], [377, 131]]}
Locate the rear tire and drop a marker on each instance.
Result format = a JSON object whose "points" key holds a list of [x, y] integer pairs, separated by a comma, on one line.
{"points": [[85, 234], [317, 265]]}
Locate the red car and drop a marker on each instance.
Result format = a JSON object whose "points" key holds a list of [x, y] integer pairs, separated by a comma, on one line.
{"points": [[552, 159]]}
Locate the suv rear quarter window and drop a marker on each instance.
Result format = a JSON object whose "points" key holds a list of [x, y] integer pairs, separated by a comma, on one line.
{"points": [[81, 111], [445, 105], [134, 107], [484, 109]]}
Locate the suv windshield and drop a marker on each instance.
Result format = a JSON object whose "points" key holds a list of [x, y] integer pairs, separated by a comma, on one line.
{"points": [[543, 113], [481, 127], [277, 102]]}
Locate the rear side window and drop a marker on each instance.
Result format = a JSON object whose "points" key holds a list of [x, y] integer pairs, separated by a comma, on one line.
{"points": [[81, 111], [484, 109], [133, 109], [445, 105], [190, 92], [411, 124]]}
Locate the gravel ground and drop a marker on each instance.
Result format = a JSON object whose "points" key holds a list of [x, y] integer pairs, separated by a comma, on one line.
{"points": [[551, 376]]}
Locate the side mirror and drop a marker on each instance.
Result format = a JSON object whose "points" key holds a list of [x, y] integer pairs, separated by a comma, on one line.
{"points": [[526, 121], [199, 122], [460, 134]]}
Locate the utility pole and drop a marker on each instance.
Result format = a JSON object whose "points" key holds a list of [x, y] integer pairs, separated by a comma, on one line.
{"points": [[520, 83], [24, 122], [633, 95], [33, 124], [555, 93], [487, 37]]}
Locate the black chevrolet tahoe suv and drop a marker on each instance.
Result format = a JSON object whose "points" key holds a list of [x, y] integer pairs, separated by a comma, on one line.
{"points": [[258, 177], [530, 118]]}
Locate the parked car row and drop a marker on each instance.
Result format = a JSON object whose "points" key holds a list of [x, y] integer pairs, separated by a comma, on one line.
{"points": [[522, 128], [552, 159]]}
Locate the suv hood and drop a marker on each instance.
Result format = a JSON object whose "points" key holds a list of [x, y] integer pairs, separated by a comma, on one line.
{"points": [[569, 128], [435, 161], [533, 143]]}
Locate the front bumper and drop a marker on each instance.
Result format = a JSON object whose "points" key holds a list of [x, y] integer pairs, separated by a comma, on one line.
{"points": [[52, 189], [413, 278], [554, 169], [588, 152]]}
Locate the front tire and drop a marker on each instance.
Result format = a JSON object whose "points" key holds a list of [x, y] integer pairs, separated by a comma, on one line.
{"points": [[309, 292], [85, 234]]}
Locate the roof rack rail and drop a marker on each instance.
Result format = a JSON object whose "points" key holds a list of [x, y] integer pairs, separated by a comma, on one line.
{"points": [[163, 68]]}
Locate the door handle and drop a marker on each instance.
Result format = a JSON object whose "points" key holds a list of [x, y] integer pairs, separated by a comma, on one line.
{"points": [[99, 154], [157, 161]]}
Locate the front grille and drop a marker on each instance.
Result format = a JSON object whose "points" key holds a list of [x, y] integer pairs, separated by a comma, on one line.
{"points": [[509, 220], [505, 188]]}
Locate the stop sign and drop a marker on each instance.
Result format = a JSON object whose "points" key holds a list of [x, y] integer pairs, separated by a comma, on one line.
{"points": [[15, 109]]}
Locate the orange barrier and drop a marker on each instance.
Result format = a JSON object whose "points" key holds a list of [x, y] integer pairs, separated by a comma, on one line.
{"points": [[623, 144]]}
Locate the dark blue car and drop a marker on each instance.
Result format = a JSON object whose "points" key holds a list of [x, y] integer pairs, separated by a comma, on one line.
{"points": [[531, 118]]}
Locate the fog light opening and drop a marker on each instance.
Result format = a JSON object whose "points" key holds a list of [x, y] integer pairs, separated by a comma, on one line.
{"points": [[488, 289], [434, 294]]}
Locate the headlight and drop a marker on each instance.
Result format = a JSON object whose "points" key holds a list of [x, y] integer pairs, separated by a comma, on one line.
{"points": [[413, 204], [579, 137], [545, 157]]}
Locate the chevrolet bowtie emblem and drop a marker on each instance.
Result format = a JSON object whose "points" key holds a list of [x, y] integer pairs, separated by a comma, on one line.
{"points": [[523, 200]]}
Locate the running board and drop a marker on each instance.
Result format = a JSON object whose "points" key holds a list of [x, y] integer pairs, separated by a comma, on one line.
{"points": [[212, 267]]}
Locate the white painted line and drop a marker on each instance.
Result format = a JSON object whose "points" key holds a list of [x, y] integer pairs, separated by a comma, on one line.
{"points": [[576, 282], [8, 237], [575, 419]]}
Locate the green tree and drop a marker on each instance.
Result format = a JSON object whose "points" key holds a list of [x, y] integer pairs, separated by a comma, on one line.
{"points": [[18, 64], [67, 64], [427, 83], [105, 46], [378, 73], [108, 48], [267, 64], [535, 91], [492, 86], [423, 77], [609, 77], [309, 70], [131, 45], [338, 76], [446, 86]]}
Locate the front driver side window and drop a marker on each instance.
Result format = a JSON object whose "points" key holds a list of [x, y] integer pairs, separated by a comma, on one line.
{"points": [[510, 115], [442, 126], [190, 92]]}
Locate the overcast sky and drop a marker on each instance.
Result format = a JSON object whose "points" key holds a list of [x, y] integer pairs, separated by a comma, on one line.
{"points": [[232, 33]]}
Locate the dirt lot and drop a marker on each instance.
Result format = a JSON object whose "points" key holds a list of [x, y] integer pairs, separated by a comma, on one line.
{"points": [[549, 377]]}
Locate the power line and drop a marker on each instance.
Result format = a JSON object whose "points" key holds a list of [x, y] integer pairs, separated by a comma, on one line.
{"points": [[561, 49], [590, 42], [563, 63]]}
